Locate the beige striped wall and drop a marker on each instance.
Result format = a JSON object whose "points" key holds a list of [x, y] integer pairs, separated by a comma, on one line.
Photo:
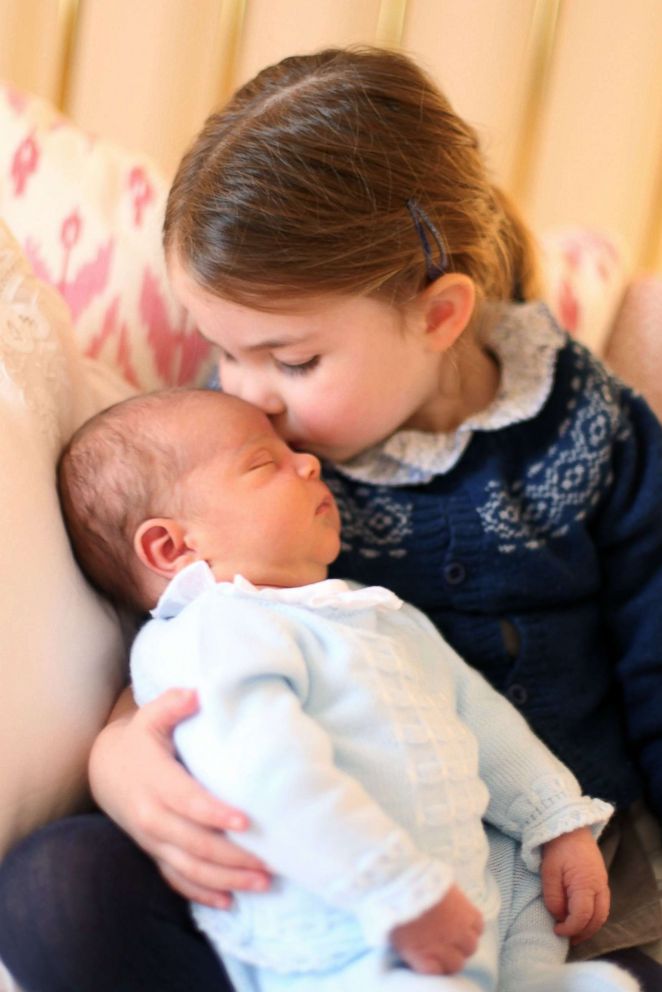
{"points": [[566, 93]]}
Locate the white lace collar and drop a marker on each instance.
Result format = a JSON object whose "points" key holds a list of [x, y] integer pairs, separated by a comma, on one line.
{"points": [[525, 340], [196, 579]]}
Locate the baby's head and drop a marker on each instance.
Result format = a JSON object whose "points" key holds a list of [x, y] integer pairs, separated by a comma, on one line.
{"points": [[168, 478]]}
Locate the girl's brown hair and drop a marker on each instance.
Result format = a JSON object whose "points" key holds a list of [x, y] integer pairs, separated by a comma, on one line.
{"points": [[304, 184]]}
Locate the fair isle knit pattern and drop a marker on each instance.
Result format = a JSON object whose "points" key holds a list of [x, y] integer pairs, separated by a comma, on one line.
{"points": [[537, 551], [562, 488]]}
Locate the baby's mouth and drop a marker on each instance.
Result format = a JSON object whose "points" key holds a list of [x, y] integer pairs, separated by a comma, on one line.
{"points": [[324, 506]]}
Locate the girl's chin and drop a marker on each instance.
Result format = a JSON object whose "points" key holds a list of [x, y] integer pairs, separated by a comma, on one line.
{"points": [[334, 452], [326, 452]]}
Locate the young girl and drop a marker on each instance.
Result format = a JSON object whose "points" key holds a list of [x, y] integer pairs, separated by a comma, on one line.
{"points": [[335, 233]]}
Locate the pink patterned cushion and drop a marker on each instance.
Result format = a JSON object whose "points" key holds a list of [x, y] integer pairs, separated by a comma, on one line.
{"points": [[585, 277], [88, 216]]}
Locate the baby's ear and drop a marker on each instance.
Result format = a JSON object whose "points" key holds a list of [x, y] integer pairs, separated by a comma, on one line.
{"points": [[446, 307], [160, 544]]}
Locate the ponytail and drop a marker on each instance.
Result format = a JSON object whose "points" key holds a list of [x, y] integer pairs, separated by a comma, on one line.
{"points": [[301, 185]]}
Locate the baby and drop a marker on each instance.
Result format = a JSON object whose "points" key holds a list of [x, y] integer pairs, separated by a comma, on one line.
{"points": [[364, 750]]}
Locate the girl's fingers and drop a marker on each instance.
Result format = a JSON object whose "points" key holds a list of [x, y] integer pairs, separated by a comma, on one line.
{"points": [[212, 877], [194, 893], [202, 844], [164, 713], [178, 792]]}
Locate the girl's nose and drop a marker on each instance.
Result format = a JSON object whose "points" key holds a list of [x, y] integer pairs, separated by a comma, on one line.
{"points": [[268, 401], [253, 388], [307, 465]]}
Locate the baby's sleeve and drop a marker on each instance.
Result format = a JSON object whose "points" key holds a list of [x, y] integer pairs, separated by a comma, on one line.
{"points": [[534, 797]]}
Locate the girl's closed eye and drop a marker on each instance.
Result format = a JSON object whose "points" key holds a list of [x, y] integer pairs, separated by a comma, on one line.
{"points": [[298, 368]]}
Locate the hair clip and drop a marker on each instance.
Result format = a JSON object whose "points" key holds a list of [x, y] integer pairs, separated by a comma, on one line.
{"points": [[423, 225]]}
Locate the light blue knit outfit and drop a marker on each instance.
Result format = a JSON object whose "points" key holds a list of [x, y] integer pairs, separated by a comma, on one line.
{"points": [[362, 748]]}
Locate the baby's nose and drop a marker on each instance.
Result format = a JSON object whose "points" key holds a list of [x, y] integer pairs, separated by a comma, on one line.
{"points": [[308, 466]]}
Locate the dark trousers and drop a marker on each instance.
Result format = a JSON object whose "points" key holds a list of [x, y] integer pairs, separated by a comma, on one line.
{"points": [[82, 909]]}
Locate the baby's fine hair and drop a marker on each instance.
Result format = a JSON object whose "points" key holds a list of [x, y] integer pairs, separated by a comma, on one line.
{"points": [[117, 470], [312, 180]]}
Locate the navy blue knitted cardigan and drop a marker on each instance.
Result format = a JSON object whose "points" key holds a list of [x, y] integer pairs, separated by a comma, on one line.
{"points": [[538, 555]]}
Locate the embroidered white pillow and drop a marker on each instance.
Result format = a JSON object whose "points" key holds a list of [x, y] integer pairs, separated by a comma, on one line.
{"points": [[62, 651]]}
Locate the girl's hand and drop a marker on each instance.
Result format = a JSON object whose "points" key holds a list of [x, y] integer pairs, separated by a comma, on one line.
{"points": [[439, 941], [574, 884], [137, 780]]}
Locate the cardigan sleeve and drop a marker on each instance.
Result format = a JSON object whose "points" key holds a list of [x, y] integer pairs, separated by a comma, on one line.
{"points": [[254, 745], [627, 530]]}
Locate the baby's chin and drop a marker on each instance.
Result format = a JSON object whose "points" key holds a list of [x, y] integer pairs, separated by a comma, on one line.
{"points": [[275, 578]]}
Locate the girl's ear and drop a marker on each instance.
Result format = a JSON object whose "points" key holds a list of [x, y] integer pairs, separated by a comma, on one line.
{"points": [[160, 544], [446, 307]]}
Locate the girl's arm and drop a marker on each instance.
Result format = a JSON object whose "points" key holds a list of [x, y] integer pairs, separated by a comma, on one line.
{"points": [[138, 782]]}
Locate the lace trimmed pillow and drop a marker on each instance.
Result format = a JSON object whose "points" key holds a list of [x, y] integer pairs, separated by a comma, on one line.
{"points": [[62, 648]]}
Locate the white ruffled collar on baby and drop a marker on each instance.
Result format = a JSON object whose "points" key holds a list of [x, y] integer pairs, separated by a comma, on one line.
{"points": [[525, 339], [198, 578]]}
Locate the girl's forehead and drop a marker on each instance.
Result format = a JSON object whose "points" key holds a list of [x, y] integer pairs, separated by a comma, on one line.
{"points": [[306, 312]]}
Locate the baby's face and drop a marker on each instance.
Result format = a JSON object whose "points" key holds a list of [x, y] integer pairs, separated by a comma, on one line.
{"points": [[255, 507]]}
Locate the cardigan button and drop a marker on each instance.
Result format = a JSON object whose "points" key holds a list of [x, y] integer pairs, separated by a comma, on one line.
{"points": [[510, 638], [517, 694], [455, 573]]}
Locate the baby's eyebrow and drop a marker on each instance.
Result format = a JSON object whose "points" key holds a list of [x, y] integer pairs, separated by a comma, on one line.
{"points": [[254, 446]]}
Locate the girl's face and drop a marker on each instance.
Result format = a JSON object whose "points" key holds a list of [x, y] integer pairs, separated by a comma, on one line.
{"points": [[335, 376]]}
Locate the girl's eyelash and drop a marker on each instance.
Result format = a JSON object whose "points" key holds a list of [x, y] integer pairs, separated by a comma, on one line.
{"points": [[299, 368]]}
